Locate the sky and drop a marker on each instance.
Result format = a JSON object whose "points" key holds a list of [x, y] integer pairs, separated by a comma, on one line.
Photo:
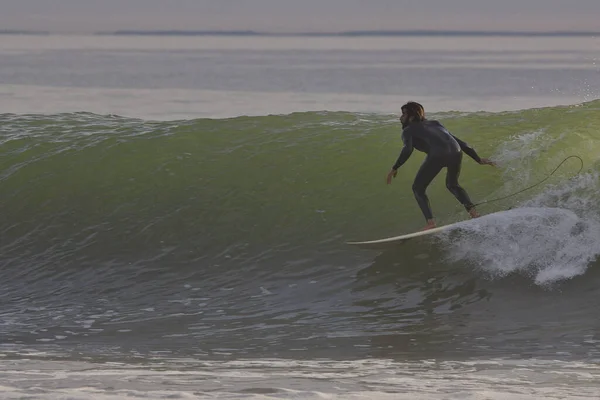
{"points": [[299, 15]]}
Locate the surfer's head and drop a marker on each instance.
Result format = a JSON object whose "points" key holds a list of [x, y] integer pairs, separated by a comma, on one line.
{"points": [[412, 112]]}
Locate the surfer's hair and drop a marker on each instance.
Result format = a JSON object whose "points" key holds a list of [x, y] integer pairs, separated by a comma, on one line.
{"points": [[415, 111]]}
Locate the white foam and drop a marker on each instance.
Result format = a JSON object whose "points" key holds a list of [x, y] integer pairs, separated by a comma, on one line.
{"points": [[551, 237], [547, 243], [579, 194], [302, 379], [518, 154]]}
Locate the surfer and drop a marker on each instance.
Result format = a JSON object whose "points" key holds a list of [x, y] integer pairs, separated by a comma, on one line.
{"points": [[443, 150]]}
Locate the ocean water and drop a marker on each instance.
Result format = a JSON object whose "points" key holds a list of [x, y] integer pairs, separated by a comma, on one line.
{"points": [[175, 212], [175, 77]]}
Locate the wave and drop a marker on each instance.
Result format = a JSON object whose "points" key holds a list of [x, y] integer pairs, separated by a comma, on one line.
{"points": [[83, 185], [236, 229]]}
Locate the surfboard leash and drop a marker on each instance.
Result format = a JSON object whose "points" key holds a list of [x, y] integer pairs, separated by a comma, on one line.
{"points": [[540, 182]]}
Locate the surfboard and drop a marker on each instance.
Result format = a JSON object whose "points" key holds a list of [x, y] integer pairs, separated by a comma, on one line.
{"points": [[390, 242]]}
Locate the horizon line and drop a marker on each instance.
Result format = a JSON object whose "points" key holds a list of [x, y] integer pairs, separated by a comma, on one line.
{"points": [[348, 33]]}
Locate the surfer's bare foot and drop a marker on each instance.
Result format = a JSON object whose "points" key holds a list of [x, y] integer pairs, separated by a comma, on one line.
{"points": [[473, 213], [430, 225]]}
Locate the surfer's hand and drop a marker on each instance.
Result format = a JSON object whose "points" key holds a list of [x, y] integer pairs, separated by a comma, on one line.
{"points": [[487, 161], [390, 175]]}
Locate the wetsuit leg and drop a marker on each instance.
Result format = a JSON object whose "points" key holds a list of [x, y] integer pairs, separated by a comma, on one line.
{"points": [[429, 169], [454, 165]]}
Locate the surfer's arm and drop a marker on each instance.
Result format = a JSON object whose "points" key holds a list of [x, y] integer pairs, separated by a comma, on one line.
{"points": [[407, 150], [468, 150]]}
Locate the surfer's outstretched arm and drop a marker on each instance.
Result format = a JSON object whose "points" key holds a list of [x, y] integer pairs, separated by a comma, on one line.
{"points": [[470, 151]]}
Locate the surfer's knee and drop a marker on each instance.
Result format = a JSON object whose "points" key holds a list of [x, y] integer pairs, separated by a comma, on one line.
{"points": [[418, 190], [453, 187]]}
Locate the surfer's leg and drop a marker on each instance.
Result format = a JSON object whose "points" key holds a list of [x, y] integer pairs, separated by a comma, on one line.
{"points": [[461, 195], [429, 169]]}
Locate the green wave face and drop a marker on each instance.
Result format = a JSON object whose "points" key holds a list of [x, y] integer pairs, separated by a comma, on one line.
{"points": [[84, 184]]}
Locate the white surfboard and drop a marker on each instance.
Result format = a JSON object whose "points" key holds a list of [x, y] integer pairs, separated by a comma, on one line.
{"points": [[390, 242]]}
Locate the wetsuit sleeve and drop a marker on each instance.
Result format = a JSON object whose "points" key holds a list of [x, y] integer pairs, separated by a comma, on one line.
{"points": [[468, 149], [407, 150]]}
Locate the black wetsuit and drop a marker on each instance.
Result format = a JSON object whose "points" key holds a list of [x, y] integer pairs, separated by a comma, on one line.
{"points": [[443, 150]]}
